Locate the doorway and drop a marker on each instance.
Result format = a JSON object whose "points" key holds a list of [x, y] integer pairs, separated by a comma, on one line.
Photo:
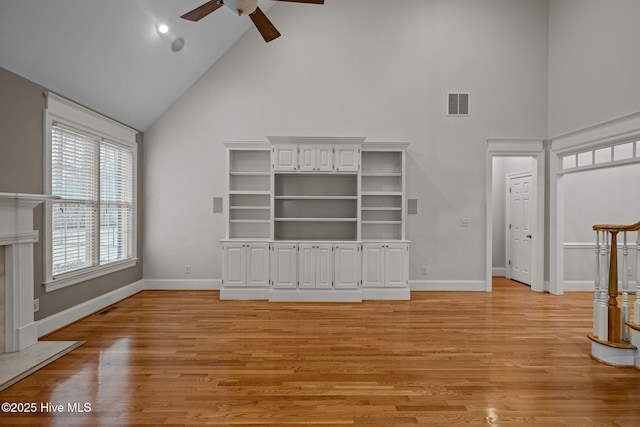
{"points": [[530, 155]]}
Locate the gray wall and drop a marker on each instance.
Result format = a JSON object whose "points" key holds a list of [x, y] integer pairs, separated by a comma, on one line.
{"points": [[602, 196], [21, 171], [593, 62], [385, 78]]}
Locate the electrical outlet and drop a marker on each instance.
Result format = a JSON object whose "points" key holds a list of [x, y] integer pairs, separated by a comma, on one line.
{"points": [[36, 305], [187, 269], [423, 270]]}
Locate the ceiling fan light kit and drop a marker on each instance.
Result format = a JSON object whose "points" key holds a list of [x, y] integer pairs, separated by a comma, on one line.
{"points": [[243, 7]]}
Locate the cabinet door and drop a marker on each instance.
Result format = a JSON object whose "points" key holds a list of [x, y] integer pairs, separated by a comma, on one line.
{"points": [[347, 158], [347, 265], [257, 264], [233, 264], [324, 158], [306, 266], [373, 265], [396, 256], [324, 266], [285, 158], [284, 266], [307, 158]]}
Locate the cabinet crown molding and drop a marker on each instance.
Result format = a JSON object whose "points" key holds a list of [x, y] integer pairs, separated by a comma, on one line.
{"points": [[316, 140]]}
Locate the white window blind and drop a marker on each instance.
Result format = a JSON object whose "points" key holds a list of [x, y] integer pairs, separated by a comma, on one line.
{"points": [[93, 219]]}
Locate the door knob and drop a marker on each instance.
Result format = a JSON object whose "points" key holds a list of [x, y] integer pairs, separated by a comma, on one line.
{"points": [[529, 236]]}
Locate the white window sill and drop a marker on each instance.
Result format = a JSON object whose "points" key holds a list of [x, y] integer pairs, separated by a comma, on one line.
{"points": [[88, 274]]}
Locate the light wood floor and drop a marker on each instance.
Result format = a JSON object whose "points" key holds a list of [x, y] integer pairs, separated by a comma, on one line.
{"points": [[511, 357]]}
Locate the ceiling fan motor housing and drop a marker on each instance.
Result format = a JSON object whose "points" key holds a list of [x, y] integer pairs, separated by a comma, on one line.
{"points": [[242, 7]]}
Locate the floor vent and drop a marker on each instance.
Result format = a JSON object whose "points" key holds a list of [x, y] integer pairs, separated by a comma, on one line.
{"points": [[107, 310]]}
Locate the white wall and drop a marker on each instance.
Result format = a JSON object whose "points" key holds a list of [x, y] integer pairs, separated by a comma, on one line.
{"points": [[503, 166], [593, 62], [603, 196], [366, 68]]}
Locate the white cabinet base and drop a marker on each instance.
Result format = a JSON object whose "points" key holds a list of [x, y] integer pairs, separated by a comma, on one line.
{"points": [[233, 293], [379, 294], [315, 295]]}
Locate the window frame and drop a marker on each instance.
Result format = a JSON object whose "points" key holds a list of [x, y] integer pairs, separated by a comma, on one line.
{"points": [[78, 118]]}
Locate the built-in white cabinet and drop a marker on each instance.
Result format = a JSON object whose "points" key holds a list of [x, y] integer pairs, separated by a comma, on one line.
{"points": [[245, 264], [285, 158], [347, 265], [385, 264], [315, 158], [317, 217], [306, 157], [315, 266], [284, 265], [347, 158]]}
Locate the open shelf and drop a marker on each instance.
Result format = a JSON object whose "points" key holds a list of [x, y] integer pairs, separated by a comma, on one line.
{"points": [[316, 185], [315, 219], [249, 194], [382, 195], [250, 162], [316, 197], [316, 230]]}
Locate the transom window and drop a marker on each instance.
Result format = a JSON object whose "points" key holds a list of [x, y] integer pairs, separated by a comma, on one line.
{"points": [[625, 152]]}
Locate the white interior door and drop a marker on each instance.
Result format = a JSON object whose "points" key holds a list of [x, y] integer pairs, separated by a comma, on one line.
{"points": [[521, 220]]}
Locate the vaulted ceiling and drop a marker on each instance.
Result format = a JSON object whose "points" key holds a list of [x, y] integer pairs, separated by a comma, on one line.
{"points": [[108, 54]]}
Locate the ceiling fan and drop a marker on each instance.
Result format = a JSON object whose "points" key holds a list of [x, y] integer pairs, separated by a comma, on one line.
{"points": [[243, 7]]}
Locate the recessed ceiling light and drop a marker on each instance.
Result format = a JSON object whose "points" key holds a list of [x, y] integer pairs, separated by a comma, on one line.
{"points": [[163, 28]]}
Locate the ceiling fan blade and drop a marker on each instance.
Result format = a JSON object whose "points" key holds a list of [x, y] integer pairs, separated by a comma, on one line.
{"points": [[201, 11], [305, 1], [262, 23]]}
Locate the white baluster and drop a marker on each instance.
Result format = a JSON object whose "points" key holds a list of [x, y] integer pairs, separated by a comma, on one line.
{"points": [[636, 311], [624, 308], [596, 293], [603, 316]]}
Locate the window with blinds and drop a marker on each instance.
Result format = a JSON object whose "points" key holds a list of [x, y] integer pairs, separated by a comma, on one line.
{"points": [[92, 221]]}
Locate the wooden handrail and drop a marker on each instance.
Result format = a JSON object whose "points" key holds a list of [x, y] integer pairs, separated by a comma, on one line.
{"points": [[618, 228]]}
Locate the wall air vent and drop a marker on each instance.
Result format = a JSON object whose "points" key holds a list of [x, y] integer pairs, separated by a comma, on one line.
{"points": [[458, 104]]}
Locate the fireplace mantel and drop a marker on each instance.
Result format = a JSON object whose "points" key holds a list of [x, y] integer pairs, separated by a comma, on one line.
{"points": [[18, 236]]}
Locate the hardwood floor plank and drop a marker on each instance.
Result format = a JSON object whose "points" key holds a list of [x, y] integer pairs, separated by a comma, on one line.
{"points": [[510, 357]]}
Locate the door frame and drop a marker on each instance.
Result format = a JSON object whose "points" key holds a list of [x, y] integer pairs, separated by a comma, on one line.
{"points": [[516, 147], [508, 230]]}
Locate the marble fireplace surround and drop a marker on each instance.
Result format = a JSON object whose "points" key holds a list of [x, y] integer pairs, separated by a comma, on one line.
{"points": [[20, 351]]}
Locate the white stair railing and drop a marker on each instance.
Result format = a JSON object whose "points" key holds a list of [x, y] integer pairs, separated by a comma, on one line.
{"points": [[609, 319]]}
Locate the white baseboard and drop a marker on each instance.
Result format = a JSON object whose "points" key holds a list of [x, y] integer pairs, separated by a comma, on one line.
{"points": [[499, 271], [588, 286], [578, 285], [182, 284], [70, 315], [448, 285]]}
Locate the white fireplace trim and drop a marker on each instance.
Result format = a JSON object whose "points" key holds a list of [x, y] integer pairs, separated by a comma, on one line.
{"points": [[18, 236]]}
